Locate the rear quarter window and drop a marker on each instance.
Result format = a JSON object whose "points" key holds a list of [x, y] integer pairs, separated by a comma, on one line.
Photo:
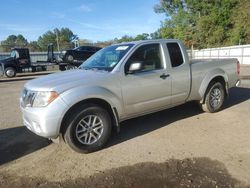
{"points": [[175, 54]]}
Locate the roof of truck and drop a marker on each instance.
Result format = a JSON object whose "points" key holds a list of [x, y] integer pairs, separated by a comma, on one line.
{"points": [[151, 40]]}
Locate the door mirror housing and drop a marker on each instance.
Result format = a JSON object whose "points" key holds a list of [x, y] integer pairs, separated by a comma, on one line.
{"points": [[134, 67]]}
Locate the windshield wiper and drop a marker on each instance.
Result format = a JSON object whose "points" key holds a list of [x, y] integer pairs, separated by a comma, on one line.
{"points": [[95, 68]]}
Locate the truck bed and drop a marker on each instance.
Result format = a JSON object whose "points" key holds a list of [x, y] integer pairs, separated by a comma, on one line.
{"points": [[202, 69]]}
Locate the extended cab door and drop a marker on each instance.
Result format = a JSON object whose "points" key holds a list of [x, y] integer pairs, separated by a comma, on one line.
{"points": [[180, 72], [148, 89]]}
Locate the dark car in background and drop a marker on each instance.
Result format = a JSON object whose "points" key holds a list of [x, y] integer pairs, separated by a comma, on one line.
{"points": [[80, 53]]}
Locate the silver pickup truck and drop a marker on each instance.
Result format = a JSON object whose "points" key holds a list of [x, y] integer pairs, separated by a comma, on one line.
{"points": [[120, 82]]}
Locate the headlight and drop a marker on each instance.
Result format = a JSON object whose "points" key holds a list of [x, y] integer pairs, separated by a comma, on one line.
{"points": [[37, 98], [64, 52], [43, 98]]}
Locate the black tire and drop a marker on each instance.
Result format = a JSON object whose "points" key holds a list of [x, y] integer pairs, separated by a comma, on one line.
{"points": [[84, 114], [69, 58], [214, 99], [62, 67], [33, 69], [44, 68], [10, 72], [71, 67]]}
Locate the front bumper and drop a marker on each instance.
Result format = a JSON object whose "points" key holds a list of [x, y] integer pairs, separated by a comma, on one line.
{"points": [[45, 121]]}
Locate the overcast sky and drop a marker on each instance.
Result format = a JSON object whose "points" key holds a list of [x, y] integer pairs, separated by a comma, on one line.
{"points": [[92, 19]]}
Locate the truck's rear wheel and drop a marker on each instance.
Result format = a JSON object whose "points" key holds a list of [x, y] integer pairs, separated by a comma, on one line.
{"points": [[10, 72], [62, 67], [88, 129], [214, 98], [69, 58]]}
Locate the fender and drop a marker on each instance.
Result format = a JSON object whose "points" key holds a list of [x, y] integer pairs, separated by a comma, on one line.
{"points": [[76, 95], [209, 77]]}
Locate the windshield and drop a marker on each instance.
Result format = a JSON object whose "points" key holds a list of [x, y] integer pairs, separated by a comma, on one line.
{"points": [[107, 58], [14, 54]]}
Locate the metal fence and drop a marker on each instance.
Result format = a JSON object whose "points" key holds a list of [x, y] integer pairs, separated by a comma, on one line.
{"points": [[241, 52]]}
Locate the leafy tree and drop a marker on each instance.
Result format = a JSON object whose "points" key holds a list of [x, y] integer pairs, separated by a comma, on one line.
{"points": [[45, 39], [62, 37], [143, 36], [125, 38], [34, 47], [241, 20], [21, 41], [200, 23], [13, 41], [155, 35]]}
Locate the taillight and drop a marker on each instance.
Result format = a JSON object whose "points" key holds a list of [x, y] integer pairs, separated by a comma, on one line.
{"points": [[238, 67]]}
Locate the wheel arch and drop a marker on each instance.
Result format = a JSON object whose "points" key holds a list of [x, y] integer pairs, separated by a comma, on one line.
{"points": [[65, 55], [218, 78], [70, 53], [96, 101], [10, 65]]}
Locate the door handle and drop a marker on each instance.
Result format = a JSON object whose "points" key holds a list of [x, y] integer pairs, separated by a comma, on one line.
{"points": [[164, 76]]}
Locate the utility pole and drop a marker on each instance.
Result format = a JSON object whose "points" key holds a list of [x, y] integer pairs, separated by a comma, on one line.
{"points": [[57, 41]]}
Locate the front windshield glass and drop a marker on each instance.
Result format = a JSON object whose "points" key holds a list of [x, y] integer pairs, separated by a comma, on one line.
{"points": [[106, 58], [14, 54]]}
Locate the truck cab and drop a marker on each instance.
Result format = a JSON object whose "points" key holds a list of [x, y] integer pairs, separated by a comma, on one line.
{"points": [[19, 59]]}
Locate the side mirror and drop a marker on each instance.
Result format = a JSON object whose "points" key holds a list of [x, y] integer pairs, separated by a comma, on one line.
{"points": [[134, 67]]}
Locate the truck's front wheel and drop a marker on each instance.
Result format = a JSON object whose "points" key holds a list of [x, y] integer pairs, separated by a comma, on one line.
{"points": [[214, 98], [88, 129], [10, 72]]}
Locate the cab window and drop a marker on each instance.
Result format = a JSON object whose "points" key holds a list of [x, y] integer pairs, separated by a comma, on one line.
{"points": [[14, 54], [150, 57], [175, 54]]}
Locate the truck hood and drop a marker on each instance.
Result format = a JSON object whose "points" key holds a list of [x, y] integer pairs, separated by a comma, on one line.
{"points": [[65, 80], [7, 60]]}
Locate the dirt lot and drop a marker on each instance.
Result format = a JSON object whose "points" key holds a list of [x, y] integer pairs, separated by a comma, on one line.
{"points": [[179, 147]]}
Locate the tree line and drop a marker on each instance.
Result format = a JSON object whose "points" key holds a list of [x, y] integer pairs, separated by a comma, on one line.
{"points": [[207, 23], [199, 24], [64, 37]]}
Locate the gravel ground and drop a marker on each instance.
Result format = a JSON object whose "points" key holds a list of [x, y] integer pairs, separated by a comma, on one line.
{"points": [[179, 147]]}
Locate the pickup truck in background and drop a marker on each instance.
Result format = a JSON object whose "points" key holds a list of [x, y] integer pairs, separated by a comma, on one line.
{"points": [[120, 82]]}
